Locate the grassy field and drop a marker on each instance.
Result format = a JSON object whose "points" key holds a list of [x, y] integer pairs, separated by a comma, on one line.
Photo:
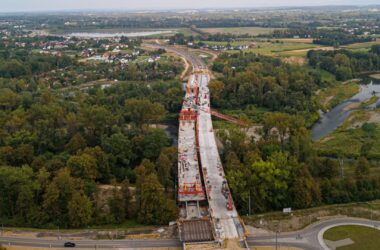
{"points": [[361, 46], [363, 237], [187, 32], [336, 94], [271, 47], [296, 40], [253, 31], [282, 48]]}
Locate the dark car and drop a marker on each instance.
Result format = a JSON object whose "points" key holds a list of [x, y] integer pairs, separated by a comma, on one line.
{"points": [[69, 244]]}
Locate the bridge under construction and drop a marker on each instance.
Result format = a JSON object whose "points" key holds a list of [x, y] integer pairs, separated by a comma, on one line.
{"points": [[207, 210]]}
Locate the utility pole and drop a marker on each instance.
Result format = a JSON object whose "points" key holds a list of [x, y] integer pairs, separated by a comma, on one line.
{"points": [[276, 238], [277, 232]]}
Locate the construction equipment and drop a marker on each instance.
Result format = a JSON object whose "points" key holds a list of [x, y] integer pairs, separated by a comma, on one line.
{"points": [[187, 114], [225, 117], [229, 203], [225, 190], [190, 188]]}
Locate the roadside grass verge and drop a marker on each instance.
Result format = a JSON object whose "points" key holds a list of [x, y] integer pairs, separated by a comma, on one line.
{"points": [[128, 224], [299, 219]]}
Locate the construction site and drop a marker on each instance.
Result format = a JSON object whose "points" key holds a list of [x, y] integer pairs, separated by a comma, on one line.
{"points": [[207, 211]]}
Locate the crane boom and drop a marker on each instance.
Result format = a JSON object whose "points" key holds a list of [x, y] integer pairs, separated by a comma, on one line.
{"points": [[225, 117]]}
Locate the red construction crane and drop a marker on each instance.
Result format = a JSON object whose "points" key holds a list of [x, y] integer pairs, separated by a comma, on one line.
{"points": [[225, 117]]}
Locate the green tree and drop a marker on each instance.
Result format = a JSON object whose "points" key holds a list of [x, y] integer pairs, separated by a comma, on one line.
{"points": [[119, 148], [142, 171], [164, 165], [57, 196], [362, 167], [18, 189], [142, 112], [102, 163], [77, 142], [79, 210], [375, 49], [83, 166], [117, 206], [127, 198], [155, 207], [216, 90], [9, 99], [366, 148], [304, 191], [153, 142]]}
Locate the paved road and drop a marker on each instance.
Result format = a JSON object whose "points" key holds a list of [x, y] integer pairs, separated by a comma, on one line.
{"points": [[305, 239], [195, 61], [310, 238], [94, 244]]}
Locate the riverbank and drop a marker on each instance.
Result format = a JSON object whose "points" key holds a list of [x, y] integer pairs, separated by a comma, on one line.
{"points": [[375, 76], [338, 93], [359, 129], [366, 98]]}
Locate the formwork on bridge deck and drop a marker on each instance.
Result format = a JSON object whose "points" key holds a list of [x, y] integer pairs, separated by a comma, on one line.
{"points": [[190, 186]]}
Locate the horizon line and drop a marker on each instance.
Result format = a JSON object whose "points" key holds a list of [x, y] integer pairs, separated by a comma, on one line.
{"points": [[136, 10]]}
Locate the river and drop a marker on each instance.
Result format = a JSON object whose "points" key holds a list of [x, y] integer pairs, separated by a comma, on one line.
{"points": [[331, 120], [119, 34]]}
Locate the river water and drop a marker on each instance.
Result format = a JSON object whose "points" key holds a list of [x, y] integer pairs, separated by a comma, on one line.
{"points": [[119, 34], [331, 120]]}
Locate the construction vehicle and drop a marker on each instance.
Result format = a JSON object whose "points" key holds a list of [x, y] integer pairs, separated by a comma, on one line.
{"points": [[229, 203], [225, 190]]}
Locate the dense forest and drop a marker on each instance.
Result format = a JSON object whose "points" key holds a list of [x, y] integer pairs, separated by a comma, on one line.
{"points": [[280, 168], [265, 82], [328, 37], [283, 170], [55, 150], [345, 64]]}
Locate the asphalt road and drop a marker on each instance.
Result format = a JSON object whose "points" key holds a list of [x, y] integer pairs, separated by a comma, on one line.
{"points": [[195, 61], [310, 238], [91, 244], [305, 239]]}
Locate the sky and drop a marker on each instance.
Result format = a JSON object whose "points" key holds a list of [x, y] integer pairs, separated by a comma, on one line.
{"points": [[46, 5]]}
